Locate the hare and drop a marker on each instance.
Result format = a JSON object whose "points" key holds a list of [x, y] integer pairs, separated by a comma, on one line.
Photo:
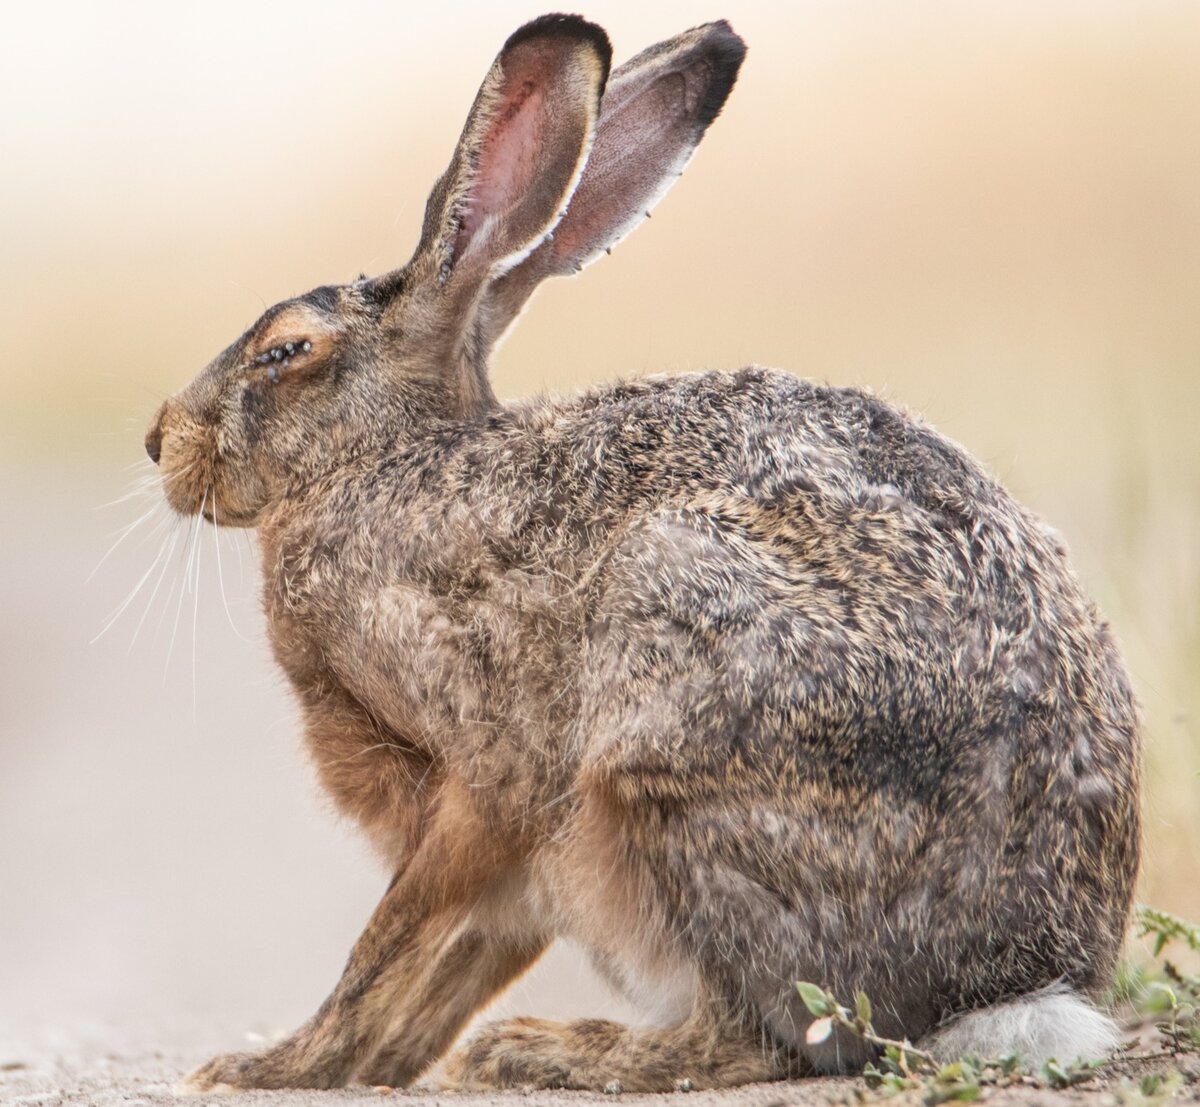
{"points": [[733, 679]]}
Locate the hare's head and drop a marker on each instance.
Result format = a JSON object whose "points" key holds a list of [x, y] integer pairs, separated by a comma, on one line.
{"points": [[552, 169]]}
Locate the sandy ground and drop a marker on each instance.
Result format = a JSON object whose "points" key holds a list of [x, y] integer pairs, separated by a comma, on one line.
{"points": [[129, 1076], [115, 1070]]}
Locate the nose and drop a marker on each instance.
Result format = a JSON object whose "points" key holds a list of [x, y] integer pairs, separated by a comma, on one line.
{"points": [[154, 439]]}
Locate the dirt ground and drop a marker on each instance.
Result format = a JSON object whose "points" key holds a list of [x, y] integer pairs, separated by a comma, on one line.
{"points": [[114, 1069]]}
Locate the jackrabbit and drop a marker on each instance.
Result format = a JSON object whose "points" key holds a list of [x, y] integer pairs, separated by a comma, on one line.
{"points": [[734, 679]]}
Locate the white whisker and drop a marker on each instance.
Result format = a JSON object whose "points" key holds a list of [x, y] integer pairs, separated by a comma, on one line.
{"points": [[237, 549], [166, 561], [249, 542], [143, 487], [193, 534], [175, 579], [196, 600], [126, 602], [221, 571], [122, 534]]}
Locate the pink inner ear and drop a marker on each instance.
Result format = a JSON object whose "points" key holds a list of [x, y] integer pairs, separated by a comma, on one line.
{"points": [[505, 169]]}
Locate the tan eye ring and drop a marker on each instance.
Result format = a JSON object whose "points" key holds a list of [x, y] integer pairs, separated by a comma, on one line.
{"points": [[278, 357]]}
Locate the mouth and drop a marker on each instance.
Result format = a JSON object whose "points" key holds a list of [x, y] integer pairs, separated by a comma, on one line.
{"points": [[195, 479], [224, 517]]}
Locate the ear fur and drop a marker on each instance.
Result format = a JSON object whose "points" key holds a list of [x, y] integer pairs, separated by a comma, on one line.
{"points": [[656, 109], [521, 153]]}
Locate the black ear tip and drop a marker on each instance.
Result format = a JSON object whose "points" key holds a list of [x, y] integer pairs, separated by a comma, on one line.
{"points": [[727, 49], [558, 25], [723, 27], [726, 42]]}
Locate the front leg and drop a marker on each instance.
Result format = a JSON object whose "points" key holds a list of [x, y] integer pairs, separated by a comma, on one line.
{"points": [[469, 972], [426, 905]]}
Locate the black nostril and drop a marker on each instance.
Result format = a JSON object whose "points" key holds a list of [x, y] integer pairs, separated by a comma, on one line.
{"points": [[154, 442]]}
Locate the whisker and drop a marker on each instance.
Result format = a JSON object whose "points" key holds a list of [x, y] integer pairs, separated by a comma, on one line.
{"points": [[220, 570], [126, 602], [237, 549], [166, 561], [170, 478], [248, 542], [144, 484], [176, 578], [124, 533], [142, 488], [196, 601], [193, 534]]}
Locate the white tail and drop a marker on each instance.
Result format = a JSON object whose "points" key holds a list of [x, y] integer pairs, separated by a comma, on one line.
{"points": [[1055, 1022]]}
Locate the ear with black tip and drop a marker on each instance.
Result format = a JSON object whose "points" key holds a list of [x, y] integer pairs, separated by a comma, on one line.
{"points": [[656, 109], [520, 155]]}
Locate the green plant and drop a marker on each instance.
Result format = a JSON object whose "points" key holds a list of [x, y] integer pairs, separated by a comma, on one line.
{"points": [[1166, 928], [1150, 1091], [1158, 990], [1165, 993], [903, 1068]]}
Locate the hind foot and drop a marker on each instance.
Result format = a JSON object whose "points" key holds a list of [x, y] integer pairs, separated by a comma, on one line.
{"points": [[597, 1055]]}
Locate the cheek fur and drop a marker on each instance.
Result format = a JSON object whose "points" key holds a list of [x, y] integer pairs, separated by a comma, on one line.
{"points": [[209, 469], [187, 463], [255, 408]]}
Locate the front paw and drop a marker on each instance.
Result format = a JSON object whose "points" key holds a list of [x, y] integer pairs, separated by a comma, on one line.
{"points": [[228, 1072], [276, 1068]]}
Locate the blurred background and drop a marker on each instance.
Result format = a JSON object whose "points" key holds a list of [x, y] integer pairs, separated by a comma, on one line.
{"points": [[986, 211]]}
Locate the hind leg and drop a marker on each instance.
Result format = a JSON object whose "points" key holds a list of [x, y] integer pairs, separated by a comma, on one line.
{"points": [[705, 1051]]}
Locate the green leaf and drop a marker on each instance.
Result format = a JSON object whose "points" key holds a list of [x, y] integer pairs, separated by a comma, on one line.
{"points": [[1166, 992], [1009, 1063], [960, 1093], [1055, 1074], [862, 1008], [815, 999]]}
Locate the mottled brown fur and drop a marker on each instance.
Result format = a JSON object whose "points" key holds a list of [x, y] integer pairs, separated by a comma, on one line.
{"points": [[732, 678]]}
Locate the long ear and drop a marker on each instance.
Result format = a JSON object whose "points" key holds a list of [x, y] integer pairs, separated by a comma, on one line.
{"points": [[520, 155], [655, 111]]}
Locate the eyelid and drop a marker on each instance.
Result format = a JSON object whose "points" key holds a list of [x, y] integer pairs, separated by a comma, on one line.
{"points": [[285, 350], [281, 355]]}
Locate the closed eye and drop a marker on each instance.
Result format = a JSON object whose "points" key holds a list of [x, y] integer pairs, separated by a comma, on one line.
{"points": [[278, 358]]}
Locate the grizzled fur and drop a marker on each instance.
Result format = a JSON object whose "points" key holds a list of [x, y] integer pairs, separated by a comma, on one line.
{"points": [[734, 679]]}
